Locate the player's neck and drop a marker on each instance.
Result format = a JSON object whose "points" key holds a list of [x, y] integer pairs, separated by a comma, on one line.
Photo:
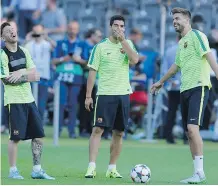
{"points": [[186, 30], [113, 40], [12, 47]]}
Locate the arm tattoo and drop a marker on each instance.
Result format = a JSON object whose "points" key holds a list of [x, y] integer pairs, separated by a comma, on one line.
{"points": [[23, 79], [36, 151]]}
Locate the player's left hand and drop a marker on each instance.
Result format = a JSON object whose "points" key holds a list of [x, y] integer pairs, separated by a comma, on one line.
{"points": [[15, 76], [120, 35]]}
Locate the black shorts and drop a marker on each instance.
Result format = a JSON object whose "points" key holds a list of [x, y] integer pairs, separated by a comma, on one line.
{"points": [[25, 122], [193, 103], [112, 112]]}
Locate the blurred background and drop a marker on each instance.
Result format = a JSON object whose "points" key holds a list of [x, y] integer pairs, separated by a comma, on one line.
{"points": [[60, 35]]}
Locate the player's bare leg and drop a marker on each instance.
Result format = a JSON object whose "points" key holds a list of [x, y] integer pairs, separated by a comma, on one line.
{"points": [[12, 157], [38, 172], [94, 144], [116, 146], [196, 148], [115, 149], [12, 152]]}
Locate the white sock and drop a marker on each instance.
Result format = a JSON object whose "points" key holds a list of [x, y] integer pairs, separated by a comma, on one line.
{"points": [[92, 164], [36, 168], [198, 164], [111, 166], [12, 169]]}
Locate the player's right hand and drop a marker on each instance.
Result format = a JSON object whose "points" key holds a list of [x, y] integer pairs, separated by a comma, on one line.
{"points": [[156, 87], [88, 103]]}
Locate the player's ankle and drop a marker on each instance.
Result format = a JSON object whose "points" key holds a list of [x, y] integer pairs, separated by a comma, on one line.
{"points": [[92, 164], [37, 168], [13, 169], [111, 166]]}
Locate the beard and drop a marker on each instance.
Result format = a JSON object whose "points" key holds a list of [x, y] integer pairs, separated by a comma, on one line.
{"points": [[179, 28]]}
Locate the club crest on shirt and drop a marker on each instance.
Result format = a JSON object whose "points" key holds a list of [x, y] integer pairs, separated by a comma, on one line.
{"points": [[186, 44], [122, 51]]}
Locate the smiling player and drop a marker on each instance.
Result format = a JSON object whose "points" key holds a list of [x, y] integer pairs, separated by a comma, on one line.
{"points": [[194, 59]]}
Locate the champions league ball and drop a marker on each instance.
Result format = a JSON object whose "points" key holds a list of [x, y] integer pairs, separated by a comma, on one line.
{"points": [[140, 174]]}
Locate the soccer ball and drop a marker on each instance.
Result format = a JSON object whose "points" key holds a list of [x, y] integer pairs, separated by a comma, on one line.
{"points": [[178, 131], [140, 174]]}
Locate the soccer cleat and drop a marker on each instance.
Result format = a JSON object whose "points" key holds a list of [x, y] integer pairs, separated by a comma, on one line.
{"points": [[113, 174], [195, 179], [41, 175], [15, 175], [91, 172]]}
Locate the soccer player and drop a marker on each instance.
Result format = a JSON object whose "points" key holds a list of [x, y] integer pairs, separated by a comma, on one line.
{"points": [[17, 71], [194, 59], [111, 59]]}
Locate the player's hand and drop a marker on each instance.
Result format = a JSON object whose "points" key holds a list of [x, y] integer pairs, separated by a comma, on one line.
{"points": [[88, 103], [34, 76], [156, 87], [16, 75], [120, 35]]}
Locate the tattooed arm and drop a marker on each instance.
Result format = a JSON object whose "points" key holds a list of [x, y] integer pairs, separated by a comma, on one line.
{"points": [[21, 76], [22, 79]]}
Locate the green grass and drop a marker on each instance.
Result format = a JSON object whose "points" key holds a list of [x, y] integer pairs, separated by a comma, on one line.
{"points": [[68, 162]]}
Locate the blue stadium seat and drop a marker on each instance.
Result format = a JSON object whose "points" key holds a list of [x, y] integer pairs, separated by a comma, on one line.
{"points": [[149, 41], [130, 5], [207, 12], [144, 22], [73, 8], [89, 19], [169, 25], [152, 10], [100, 4], [171, 39]]}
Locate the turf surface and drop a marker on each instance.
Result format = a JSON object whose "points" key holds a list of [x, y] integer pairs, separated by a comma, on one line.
{"points": [[68, 162]]}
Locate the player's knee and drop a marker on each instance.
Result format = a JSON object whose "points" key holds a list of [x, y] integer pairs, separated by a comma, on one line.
{"points": [[97, 131], [14, 141], [118, 134], [192, 130]]}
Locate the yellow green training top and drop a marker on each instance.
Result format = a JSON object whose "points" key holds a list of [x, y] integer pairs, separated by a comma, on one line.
{"points": [[191, 59], [112, 65], [16, 94]]}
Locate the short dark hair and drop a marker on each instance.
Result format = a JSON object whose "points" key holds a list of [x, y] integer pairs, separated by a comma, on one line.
{"points": [[181, 11], [90, 32], [3, 25], [116, 17]]}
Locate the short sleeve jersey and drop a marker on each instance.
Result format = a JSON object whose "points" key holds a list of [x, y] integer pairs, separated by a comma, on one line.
{"points": [[112, 65], [18, 60], [191, 59]]}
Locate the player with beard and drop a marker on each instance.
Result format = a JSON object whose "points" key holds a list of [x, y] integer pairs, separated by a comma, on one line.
{"points": [[25, 122], [193, 59]]}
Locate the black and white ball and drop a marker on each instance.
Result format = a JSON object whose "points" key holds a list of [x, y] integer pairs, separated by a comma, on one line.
{"points": [[140, 174]]}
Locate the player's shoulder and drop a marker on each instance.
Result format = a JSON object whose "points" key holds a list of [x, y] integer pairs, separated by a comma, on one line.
{"points": [[25, 50], [102, 42], [3, 53], [198, 34]]}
